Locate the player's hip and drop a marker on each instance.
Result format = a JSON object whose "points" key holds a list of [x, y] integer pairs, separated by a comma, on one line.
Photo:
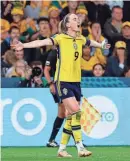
{"points": [[71, 79], [68, 75], [68, 89]]}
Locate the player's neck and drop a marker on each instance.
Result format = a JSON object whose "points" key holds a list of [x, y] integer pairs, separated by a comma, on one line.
{"points": [[71, 33]]}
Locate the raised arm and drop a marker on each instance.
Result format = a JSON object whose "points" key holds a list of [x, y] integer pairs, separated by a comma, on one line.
{"points": [[34, 44], [102, 45]]}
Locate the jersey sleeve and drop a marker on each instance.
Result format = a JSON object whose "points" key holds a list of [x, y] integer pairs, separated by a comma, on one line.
{"points": [[85, 41], [56, 39]]}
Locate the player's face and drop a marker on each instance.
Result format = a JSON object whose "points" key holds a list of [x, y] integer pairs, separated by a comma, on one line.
{"points": [[98, 71], [74, 22]]}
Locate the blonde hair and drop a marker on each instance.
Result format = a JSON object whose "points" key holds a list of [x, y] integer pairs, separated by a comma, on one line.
{"points": [[65, 21], [10, 57], [20, 61], [61, 27]]}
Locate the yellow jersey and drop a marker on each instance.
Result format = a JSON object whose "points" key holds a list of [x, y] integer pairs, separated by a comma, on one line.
{"points": [[98, 57], [68, 68]]}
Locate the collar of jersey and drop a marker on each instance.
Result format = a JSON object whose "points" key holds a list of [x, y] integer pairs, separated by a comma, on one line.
{"points": [[70, 37]]}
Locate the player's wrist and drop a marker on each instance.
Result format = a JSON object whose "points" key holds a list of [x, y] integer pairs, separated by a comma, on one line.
{"points": [[50, 83], [103, 45]]}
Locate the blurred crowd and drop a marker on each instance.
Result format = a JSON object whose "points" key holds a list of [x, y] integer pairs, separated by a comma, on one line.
{"points": [[32, 20]]}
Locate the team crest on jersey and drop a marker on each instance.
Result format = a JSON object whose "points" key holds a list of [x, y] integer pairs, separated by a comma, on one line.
{"points": [[65, 91], [75, 46]]}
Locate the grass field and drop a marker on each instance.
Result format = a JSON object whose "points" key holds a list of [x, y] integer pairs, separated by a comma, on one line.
{"points": [[49, 154]]}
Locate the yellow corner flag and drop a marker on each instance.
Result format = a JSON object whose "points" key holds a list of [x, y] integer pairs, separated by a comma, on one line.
{"points": [[89, 117]]}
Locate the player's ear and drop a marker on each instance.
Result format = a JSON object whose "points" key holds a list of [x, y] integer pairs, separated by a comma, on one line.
{"points": [[67, 25]]}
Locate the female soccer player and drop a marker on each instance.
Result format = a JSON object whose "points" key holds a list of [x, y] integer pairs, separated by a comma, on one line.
{"points": [[68, 77]]}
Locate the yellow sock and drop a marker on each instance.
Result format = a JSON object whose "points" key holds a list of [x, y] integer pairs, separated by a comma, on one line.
{"points": [[67, 131], [76, 128]]}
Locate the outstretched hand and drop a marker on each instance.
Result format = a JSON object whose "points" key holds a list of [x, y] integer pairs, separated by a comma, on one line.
{"points": [[105, 45], [17, 45]]}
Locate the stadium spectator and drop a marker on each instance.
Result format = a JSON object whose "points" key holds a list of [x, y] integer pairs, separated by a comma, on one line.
{"points": [[70, 8], [116, 63], [115, 3], [32, 77], [98, 70], [17, 70], [126, 10], [37, 64], [7, 61], [89, 59], [6, 7], [40, 54], [96, 34], [27, 26], [4, 28], [17, 14], [14, 35], [112, 27], [37, 9], [19, 54], [127, 72], [33, 9], [126, 38], [44, 29], [98, 11], [54, 18], [82, 13]]}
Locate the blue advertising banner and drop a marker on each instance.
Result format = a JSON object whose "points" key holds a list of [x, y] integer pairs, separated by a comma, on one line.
{"points": [[27, 116]]}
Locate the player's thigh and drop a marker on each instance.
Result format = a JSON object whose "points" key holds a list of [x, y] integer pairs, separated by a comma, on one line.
{"points": [[71, 105], [61, 110]]}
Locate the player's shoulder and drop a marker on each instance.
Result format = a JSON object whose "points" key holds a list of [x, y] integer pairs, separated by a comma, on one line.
{"points": [[54, 36], [81, 37], [58, 35]]}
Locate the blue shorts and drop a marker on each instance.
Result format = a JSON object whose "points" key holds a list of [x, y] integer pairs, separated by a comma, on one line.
{"points": [[66, 90], [56, 96]]}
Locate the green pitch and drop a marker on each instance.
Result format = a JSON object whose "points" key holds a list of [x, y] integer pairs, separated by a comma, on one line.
{"points": [[49, 154]]}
